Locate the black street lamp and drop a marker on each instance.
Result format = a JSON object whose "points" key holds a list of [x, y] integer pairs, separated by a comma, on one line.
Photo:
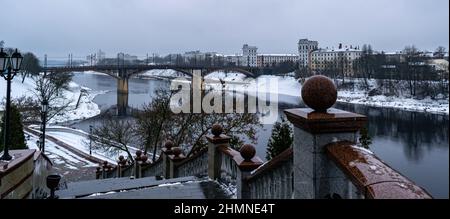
{"points": [[9, 68], [90, 140], [44, 111]]}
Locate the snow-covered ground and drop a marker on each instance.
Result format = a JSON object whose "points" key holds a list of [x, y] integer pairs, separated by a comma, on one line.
{"points": [[59, 155], [163, 73], [82, 143], [360, 96], [86, 108], [290, 87], [408, 104]]}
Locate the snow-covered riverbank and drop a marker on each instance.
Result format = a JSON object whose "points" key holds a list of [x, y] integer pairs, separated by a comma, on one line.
{"points": [[289, 86], [85, 109]]}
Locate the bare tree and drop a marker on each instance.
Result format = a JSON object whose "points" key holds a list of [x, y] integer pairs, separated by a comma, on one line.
{"points": [[439, 52], [114, 135], [153, 120], [157, 123], [30, 65], [51, 90]]}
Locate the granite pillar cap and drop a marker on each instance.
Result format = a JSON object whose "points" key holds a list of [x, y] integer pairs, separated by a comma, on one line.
{"points": [[216, 130], [319, 93], [247, 152], [169, 144]]}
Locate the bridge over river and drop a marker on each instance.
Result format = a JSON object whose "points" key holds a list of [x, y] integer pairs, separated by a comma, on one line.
{"points": [[123, 72]]}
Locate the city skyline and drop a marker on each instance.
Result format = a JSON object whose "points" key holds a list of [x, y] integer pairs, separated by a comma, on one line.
{"points": [[140, 27]]}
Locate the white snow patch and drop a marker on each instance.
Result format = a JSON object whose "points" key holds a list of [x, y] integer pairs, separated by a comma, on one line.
{"points": [[86, 108]]}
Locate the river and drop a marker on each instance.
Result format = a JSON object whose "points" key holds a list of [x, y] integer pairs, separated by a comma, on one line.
{"points": [[416, 144]]}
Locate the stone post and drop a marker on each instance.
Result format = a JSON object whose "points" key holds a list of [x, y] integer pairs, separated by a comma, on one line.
{"points": [[104, 169], [120, 164], [137, 164], [167, 150], [315, 175], [214, 156], [247, 162], [176, 156]]}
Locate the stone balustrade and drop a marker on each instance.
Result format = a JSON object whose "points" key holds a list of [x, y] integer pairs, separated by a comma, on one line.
{"points": [[196, 165], [274, 179], [153, 169], [323, 162], [372, 177]]}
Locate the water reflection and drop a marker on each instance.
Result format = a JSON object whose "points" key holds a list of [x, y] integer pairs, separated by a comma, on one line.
{"points": [[418, 132]]}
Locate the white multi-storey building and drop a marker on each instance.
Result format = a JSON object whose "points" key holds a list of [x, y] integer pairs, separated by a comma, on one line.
{"points": [[340, 60], [265, 60], [235, 59], [100, 55], [249, 55], [305, 47]]}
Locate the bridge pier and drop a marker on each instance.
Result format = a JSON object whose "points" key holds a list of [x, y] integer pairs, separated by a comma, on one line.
{"points": [[122, 96]]}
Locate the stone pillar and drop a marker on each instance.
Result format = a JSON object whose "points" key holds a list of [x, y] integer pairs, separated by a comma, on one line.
{"points": [[122, 94], [120, 164], [176, 156], [214, 156], [137, 164], [248, 163], [167, 150], [315, 175]]}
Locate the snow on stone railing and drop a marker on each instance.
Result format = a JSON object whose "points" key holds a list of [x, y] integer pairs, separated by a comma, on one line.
{"points": [[372, 177], [326, 163], [153, 169], [228, 167], [273, 179], [196, 165]]}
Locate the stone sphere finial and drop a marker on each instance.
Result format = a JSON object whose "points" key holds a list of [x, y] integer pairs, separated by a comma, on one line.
{"points": [[121, 158], [144, 158], [216, 130], [138, 153], [248, 151], [319, 93], [177, 151], [168, 145]]}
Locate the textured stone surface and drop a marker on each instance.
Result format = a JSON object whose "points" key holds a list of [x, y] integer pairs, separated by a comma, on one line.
{"points": [[370, 174], [334, 121], [16, 181], [319, 93], [86, 188], [313, 169], [188, 190]]}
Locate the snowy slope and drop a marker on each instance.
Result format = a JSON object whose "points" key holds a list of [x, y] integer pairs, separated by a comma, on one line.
{"points": [[87, 108]]}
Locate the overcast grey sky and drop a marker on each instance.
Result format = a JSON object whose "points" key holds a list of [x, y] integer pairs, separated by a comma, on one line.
{"points": [[57, 27]]}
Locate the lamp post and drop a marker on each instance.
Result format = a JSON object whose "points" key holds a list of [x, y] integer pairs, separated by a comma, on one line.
{"points": [[90, 141], [44, 111], [9, 66]]}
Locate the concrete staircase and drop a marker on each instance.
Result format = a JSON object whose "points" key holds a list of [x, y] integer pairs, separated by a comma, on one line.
{"points": [[143, 188]]}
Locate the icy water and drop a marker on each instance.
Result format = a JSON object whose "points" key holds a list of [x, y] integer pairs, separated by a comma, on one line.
{"points": [[416, 144]]}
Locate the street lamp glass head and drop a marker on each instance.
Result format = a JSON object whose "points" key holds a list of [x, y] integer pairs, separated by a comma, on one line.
{"points": [[16, 60], [4, 61]]}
